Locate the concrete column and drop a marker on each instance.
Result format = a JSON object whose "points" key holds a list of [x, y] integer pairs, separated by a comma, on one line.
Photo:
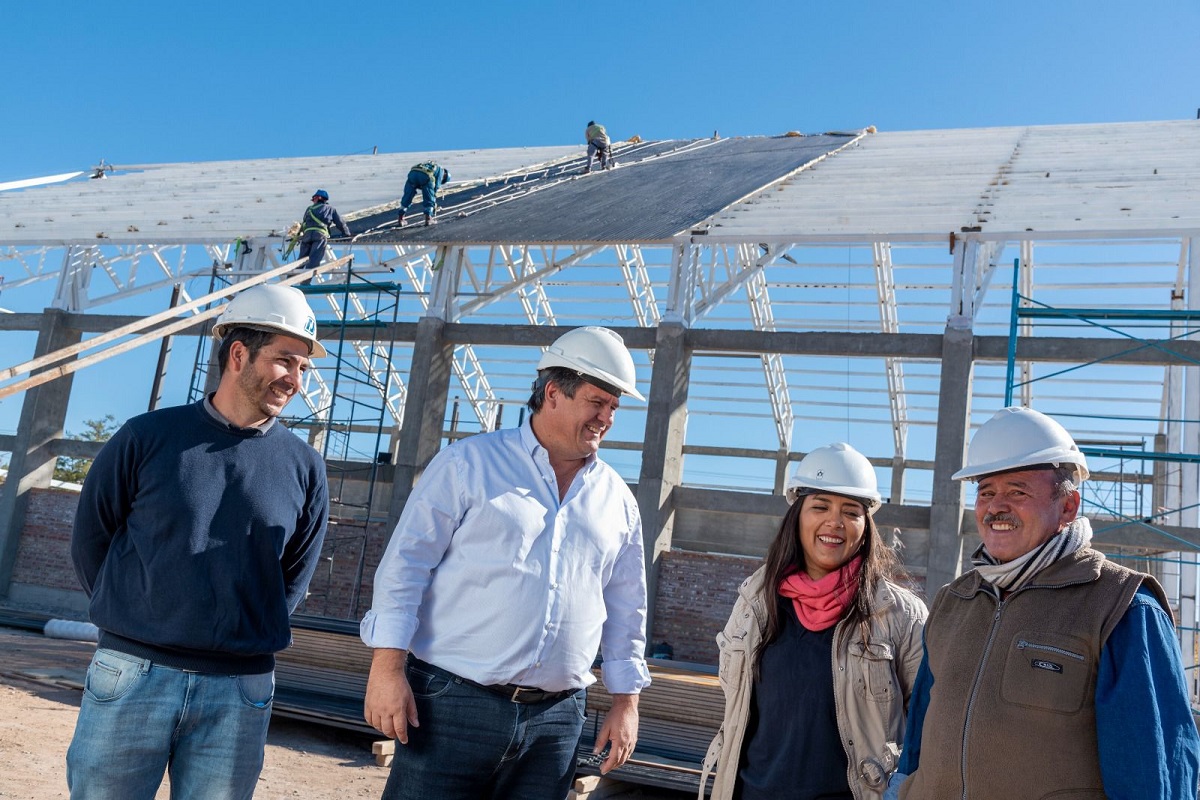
{"points": [[424, 410], [43, 415], [781, 471], [954, 420], [662, 455], [897, 495]]}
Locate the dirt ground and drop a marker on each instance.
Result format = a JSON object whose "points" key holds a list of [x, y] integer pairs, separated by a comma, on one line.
{"points": [[40, 688], [38, 706]]}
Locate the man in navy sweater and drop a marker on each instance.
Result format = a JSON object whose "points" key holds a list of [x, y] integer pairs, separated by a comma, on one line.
{"points": [[197, 532]]}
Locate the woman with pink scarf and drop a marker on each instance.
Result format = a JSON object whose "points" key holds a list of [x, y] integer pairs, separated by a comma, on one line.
{"points": [[820, 653]]}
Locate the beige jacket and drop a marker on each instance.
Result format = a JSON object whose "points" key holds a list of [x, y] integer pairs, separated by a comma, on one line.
{"points": [[871, 687]]}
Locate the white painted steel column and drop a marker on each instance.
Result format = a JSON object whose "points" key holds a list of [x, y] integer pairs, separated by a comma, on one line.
{"points": [[75, 278], [1190, 487]]}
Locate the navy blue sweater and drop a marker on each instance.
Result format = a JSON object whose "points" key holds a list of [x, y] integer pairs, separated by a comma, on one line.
{"points": [[195, 540]]}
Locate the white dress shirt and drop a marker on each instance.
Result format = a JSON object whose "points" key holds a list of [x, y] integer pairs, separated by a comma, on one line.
{"points": [[489, 576]]}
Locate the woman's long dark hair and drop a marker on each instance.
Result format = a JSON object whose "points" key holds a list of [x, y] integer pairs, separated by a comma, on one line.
{"points": [[786, 556]]}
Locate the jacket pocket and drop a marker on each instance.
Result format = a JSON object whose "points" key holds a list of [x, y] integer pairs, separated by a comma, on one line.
{"points": [[734, 659], [1047, 671], [876, 678]]}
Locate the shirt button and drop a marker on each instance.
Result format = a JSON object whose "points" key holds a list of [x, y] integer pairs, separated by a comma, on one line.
{"points": [[554, 586]]}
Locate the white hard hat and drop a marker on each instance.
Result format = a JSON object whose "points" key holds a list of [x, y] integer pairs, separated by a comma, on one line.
{"points": [[1017, 437], [597, 353], [278, 309], [837, 468]]}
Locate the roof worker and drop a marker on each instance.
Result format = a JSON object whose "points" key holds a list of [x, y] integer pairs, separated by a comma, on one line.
{"points": [[319, 220], [518, 554], [597, 142], [1049, 671], [428, 177], [821, 632], [197, 532]]}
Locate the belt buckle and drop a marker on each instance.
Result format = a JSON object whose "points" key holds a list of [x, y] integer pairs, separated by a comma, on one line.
{"points": [[516, 695]]}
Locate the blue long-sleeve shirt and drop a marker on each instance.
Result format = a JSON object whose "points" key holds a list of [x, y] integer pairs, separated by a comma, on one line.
{"points": [[1147, 739], [323, 218], [195, 540]]}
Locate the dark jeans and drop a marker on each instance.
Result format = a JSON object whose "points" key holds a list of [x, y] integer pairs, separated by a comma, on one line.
{"points": [[419, 181], [312, 247], [475, 744]]}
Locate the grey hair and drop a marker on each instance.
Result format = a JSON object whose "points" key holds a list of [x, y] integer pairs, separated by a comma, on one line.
{"points": [[1064, 480], [568, 380]]}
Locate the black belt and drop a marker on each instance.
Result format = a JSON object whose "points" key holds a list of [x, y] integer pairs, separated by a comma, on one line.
{"points": [[514, 693]]}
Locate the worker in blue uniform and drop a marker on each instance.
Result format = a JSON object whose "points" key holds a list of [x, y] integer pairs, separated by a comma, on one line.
{"points": [[428, 177], [319, 220]]}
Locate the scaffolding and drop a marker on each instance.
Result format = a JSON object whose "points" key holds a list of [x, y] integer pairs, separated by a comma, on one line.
{"points": [[351, 405], [1147, 482]]}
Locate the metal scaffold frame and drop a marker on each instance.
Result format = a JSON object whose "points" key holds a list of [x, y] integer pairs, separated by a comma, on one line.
{"points": [[1163, 477]]}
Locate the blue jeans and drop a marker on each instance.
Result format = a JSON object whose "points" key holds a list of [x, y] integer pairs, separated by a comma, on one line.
{"points": [[139, 719], [474, 744], [419, 180]]}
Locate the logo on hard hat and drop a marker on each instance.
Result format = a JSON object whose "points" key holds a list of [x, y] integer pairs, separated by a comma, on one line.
{"points": [[310, 326], [820, 473]]}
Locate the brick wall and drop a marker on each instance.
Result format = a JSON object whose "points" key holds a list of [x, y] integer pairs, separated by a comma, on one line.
{"points": [[44, 556], [44, 551], [351, 549], [696, 592]]}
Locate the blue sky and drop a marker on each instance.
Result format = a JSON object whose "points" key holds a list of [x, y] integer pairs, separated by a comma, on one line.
{"points": [[137, 82]]}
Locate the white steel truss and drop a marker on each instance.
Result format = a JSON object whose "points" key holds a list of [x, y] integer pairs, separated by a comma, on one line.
{"points": [[889, 322], [774, 372], [637, 281]]}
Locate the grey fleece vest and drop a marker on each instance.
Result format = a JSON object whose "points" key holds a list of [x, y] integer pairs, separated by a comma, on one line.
{"points": [[1011, 713]]}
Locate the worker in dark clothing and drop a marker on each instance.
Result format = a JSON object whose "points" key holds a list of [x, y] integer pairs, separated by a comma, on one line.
{"points": [[428, 177], [319, 220], [598, 144]]}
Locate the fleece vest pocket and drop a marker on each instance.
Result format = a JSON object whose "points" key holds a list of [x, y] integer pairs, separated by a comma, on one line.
{"points": [[1047, 671]]}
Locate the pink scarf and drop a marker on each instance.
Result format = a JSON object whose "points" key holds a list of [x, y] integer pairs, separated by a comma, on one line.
{"points": [[820, 604]]}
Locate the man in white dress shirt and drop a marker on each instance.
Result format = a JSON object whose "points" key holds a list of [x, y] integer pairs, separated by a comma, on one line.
{"points": [[518, 556]]}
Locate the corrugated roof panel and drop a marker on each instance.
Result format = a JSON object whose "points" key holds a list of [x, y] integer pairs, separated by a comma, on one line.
{"points": [[658, 190], [1117, 178], [219, 201]]}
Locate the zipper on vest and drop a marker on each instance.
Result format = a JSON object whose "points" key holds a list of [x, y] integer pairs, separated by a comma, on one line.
{"points": [[1022, 644], [987, 654]]}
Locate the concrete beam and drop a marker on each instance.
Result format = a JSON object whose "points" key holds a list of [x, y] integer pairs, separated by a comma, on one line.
{"points": [[31, 466], [910, 345], [1064, 349], [536, 335], [662, 455], [899, 345], [1138, 534]]}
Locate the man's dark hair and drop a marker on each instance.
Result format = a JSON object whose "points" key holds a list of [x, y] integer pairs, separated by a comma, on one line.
{"points": [[568, 381], [253, 338]]}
